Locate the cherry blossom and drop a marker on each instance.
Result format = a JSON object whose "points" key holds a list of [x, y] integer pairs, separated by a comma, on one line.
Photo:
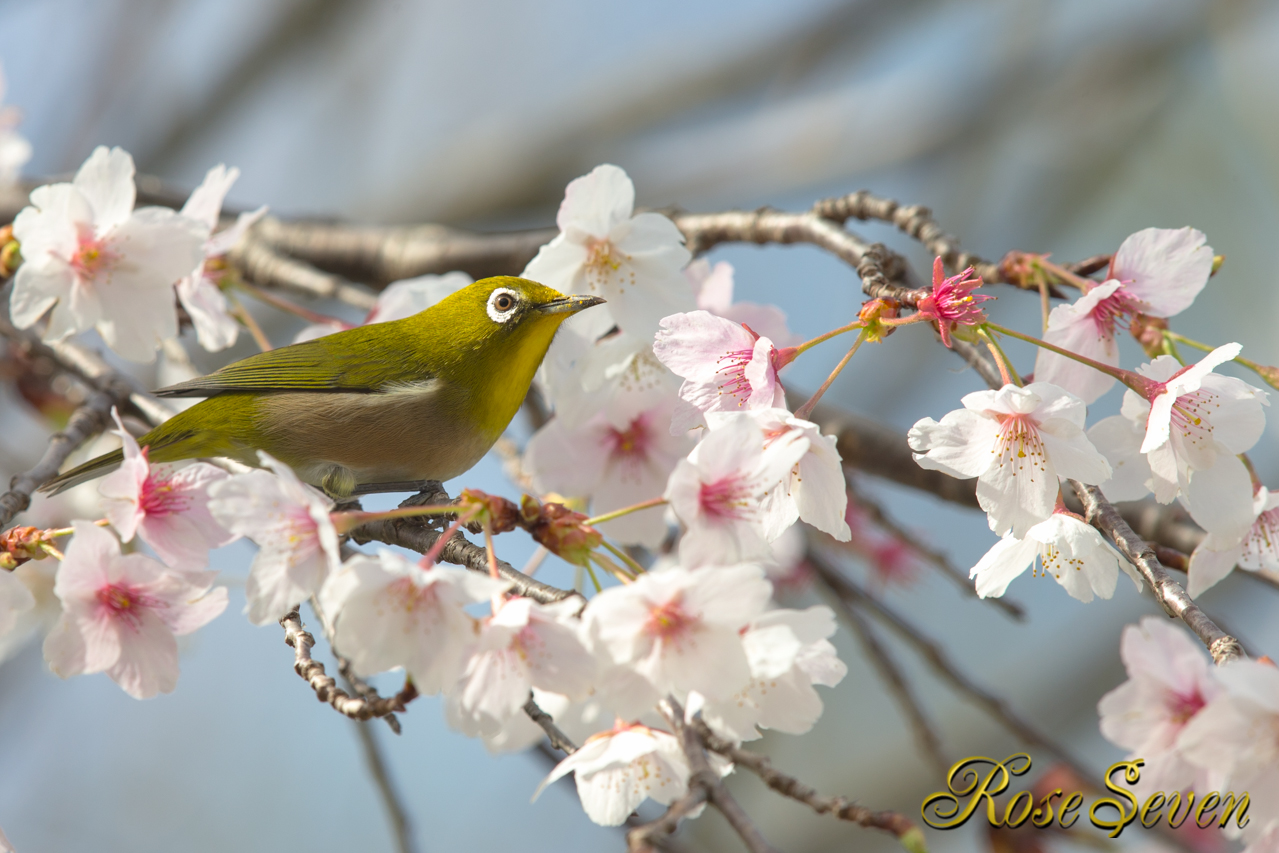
{"points": [[199, 292], [389, 613], [1169, 680], [718, 490], [1157, 271], [289, 520], [725, 367], [713, 290], [814, 490], [16, 601], [633, 261], [1235, 737], [165, 508], [1069, 549], [400, 299], [121, 613], [1256, 550], [789, 652], [23, 621], [1017, 442], [620, 457], [98, 263], [679, 628], [522, 646], [617, 770], [951, 302], [1193, 424]]}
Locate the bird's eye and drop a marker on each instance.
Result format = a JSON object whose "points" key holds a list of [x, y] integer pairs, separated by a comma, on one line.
{"points": [[502, 305]]}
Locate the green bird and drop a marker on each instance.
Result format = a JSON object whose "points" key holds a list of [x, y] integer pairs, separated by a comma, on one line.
{"points": [[421, 398]]}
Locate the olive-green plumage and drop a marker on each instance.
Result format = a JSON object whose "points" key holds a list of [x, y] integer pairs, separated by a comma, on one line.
{"points": [[421, 398]]}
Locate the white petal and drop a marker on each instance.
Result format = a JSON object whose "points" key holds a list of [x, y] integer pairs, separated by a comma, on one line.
{"points": [[106, 180], [1165, 267]]}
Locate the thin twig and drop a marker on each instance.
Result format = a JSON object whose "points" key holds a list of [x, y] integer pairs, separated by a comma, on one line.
{"points": [[841, 807], [395, 811], [558, 739], [326, 689], [263, 265]]}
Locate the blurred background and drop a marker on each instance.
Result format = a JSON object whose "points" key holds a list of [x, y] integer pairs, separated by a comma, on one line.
{"points": [[1025, 124]]}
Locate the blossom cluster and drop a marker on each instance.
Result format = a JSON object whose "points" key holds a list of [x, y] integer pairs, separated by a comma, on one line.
{"points": [[671, 423]]}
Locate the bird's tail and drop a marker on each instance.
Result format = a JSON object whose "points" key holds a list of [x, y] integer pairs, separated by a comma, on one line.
{"points": [[96, 467]]}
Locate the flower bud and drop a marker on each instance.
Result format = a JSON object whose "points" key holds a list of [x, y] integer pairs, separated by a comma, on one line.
{"points": [[496, 513], [1149, 332], [872, 313], [560, 530]]}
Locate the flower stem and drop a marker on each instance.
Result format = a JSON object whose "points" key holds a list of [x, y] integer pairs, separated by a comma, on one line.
{"points": [[52, 551], [1006, 370], [805, 410], [242, 314], [626, 510], [1066, 276], [807, 345], [636, 568], [1132, 380], [287, 306], [433, 554]]}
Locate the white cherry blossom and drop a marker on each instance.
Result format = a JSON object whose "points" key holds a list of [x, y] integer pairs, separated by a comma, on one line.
{"points": [[1068, 549], [617, 770], [289, 521], [789, 652], [97, 263], [121, 613], [1085, 327], [1194, 423], [16, 601], [680, 628], [633, 261], [718, 491], [1256, 550], [389, 613], [199, 291], [620, 457], [1017, 442], [37, 577], [524, 645], [1170, 679], [165, 508], [725, 367], [814, 490]]}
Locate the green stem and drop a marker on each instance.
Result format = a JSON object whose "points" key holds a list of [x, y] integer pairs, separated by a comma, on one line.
{"points": [[626, 510], [636, 568], [807, 345], [1127, 377], [805, 410]]}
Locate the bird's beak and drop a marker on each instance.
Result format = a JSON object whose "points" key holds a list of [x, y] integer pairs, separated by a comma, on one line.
{"points": [[569, 304]]}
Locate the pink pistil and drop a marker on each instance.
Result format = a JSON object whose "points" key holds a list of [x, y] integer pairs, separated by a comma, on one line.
{"points": [[92, 255], [728, 498], [1183, 706], [124, 603], [668, 620], [952, 302]]}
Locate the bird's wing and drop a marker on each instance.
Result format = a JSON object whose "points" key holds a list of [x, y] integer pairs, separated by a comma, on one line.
{"points": [[351, 361]]}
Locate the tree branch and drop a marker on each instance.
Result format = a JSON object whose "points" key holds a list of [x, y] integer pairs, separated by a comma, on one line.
{"points": [[558, 739], [401, 828], [788, 786], [326, 689]]}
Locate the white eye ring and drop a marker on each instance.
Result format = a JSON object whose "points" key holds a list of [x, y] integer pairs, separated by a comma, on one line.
{"points": [[496, 314]]}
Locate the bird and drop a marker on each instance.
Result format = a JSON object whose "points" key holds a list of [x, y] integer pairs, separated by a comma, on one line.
{"points": [[387, 404]]}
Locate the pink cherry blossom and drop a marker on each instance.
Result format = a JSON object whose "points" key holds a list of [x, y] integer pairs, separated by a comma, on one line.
{"points": [[814, 490], [1183, 439], [165, 508], [1169, 680], [725, 367], [289, 521], [617, 770], [951, 303], [199, 292], [679, 628], [121, 613], [618, 458], [1068, 549], [389, 613], [718, 491], [789, 652], [524, 645], [713, 290], [1156, 271], [98, 263], [1235, 737], [1256, 550], [1017, 442]]}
